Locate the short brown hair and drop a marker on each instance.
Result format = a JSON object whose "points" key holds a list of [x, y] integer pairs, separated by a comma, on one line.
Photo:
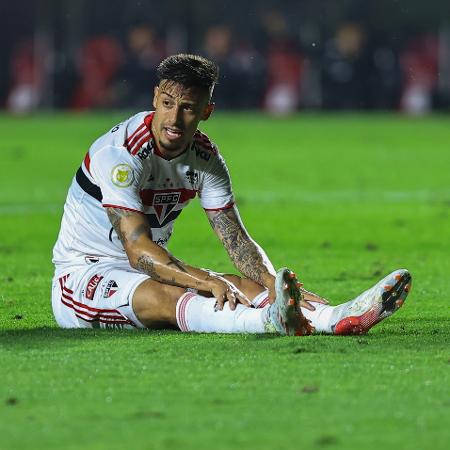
{"points": [[189, 70]]}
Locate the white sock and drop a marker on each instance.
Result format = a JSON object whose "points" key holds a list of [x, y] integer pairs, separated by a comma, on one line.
{"points": [[261, 299], [320, 318], [197, 313]]}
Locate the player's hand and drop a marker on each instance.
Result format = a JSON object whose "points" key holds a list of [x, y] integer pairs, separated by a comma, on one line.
{"points": [[311, 297], [269, 284], [224, 291]]}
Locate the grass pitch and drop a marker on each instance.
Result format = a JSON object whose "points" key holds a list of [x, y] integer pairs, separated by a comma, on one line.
{"points": [[343, 200]]}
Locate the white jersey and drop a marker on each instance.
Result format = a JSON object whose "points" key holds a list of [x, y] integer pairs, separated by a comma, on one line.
{"points": [[124, 169]]}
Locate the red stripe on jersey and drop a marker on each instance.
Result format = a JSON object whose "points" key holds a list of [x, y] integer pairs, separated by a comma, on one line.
{"points": [[148, 120], [204, 141], [133, 135], [62, 280], [66, 293], [107, 205], [108, 316], [142, 133], [90, 315], [69, 291], [139, 144], [230, 205], [141, 137], [95, 311], [147, 195], [87, 162], [103, 319], [100, 319]]}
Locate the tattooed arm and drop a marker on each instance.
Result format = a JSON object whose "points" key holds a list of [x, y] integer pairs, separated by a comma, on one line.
{"points": [[144, 255], [247, 256]]}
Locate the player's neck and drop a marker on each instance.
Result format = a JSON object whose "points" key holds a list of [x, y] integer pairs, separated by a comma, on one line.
{"points": [[168, 153]]}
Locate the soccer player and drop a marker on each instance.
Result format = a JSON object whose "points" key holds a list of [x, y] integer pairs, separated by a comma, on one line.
{"points": [[112, 268]]}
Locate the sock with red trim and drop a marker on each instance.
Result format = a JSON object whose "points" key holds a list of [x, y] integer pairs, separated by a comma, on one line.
{"points": [[197, 313], [261, 300]]}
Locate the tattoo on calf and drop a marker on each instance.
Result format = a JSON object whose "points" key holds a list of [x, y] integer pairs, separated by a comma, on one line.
{"points": [[244, 253]]}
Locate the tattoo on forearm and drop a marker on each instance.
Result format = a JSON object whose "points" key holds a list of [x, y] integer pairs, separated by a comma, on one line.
{"points": [[177, 263], [145, 264], [244, 253]]}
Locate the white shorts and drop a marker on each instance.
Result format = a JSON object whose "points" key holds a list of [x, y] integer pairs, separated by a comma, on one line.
{"points": [[97, 295]]}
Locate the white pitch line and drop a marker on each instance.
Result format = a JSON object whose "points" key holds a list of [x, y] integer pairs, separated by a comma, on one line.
{"points": [[343, 196], [266, 197], [30, 208]]}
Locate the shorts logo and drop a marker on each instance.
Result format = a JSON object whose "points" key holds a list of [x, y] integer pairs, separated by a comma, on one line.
{"points": [[92, 286], [164, 203], [122, 175], [91, 259], [111, 289]]}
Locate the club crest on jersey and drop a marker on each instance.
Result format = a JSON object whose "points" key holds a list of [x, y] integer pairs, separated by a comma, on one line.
{"points": [[111, 289], [122, 175], [163, 204]]}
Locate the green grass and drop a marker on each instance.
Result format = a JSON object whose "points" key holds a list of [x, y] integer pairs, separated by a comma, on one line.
{"points": [[341, 199]]}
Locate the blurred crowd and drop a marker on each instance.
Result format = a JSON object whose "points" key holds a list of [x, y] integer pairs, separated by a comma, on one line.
{"points": [[351, 69]]}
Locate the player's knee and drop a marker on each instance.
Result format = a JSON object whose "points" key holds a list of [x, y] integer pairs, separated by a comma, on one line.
{"points": [[249, 287], [155, 304]]}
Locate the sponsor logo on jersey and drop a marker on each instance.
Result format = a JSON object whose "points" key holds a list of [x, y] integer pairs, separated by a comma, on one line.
{"points": [[144, 152], [203, 154], [162, 241], [163, 204], [92, 286], [122, 175], [192, 176], [111, 289]]}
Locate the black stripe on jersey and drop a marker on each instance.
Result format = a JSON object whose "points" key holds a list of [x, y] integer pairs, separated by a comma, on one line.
{"points": [[154, 222], [90, 188]]}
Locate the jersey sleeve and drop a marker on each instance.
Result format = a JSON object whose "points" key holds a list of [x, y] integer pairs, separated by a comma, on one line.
{"points": [[216, 191], [118, 175]]}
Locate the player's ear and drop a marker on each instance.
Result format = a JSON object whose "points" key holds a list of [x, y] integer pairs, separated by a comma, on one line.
{"points": [[155, 96], [208, 111]]}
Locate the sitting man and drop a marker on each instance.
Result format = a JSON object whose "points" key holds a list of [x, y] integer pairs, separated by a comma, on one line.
{"points": [[112, 268]]}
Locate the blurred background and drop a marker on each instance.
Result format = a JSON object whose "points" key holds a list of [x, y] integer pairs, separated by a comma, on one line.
{"points": [[278, 56]]}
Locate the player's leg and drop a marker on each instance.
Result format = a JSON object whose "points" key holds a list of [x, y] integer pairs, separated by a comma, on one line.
{"points": [[360, 314], [252, 290], [357, 316], [111, 294], [159, 306], [96, 296]]}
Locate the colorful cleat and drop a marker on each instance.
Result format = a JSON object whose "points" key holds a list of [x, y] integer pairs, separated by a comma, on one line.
{"points": [[372, 306], [284, 315]]}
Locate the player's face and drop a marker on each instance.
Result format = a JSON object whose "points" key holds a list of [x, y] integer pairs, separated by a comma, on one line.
{"points": [[178, 111]]}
